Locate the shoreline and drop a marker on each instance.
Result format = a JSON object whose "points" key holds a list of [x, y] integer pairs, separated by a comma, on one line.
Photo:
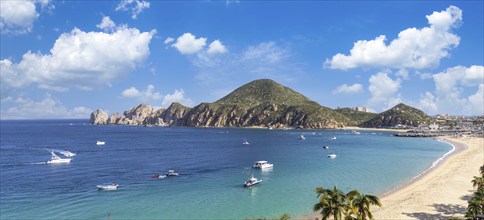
{"points": [[440, 191]]}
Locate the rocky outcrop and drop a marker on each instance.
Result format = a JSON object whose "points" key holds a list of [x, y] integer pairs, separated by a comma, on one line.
{"points": [[99, 117]]}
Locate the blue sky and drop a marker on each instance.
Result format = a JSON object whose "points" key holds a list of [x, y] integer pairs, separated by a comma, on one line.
{"points": [[64, 59]]}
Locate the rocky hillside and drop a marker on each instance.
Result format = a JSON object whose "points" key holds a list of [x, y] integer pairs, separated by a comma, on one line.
{"points": [[356, 118], [258, 103], [401, 114]]}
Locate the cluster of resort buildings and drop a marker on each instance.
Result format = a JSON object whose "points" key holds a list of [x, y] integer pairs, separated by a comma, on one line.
{"points": [[449, 125]]}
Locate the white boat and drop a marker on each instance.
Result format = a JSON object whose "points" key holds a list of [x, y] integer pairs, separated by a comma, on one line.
{"points": [[333, 138], [158, 176], [251, 181], [171, 173], [57, 159], [108, 186], [100, 142], [246, 143], [301, 137], [262, 164], [325, 147], [355, 132], [332, 155]]}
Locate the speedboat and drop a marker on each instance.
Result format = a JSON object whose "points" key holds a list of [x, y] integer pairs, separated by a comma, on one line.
{"points": [[301, 137], [158, 176], [333, 138], [108, 186], [57, 159], [332, 155], [355, 132], [171, 173], [246, 143], [251, 181], [100, 142], [262, 164], [325, 147]]}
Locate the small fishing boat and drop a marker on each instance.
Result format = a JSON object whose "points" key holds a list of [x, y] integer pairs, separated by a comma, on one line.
{"points": [[301, 137], [355, 132], [158, 176], [171, 173], [100, 143], [262, 164], [251, 181], [246, 143], [108, 186], [331, 155], [56, 159], [333, 138], [325, 147]]}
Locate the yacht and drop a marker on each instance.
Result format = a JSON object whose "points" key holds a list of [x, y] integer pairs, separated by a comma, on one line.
{"points": [[108, 186], [100, 142], [325, 147], [158, 176], [57, 159], [251, 181], [355, 132], [333, 138], [262, 164], [332, 155], [171, 173], [301, 137], [246, 143]]}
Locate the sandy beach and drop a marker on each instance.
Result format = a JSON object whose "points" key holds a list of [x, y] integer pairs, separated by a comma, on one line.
{"points": [[440, 193]]}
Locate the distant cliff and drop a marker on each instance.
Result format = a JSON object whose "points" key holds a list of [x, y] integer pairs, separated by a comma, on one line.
{"points": [[260, 103], [401, 114]]}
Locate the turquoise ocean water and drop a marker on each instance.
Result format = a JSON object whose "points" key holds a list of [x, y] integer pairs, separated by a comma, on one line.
{"points": [[213, 164]]}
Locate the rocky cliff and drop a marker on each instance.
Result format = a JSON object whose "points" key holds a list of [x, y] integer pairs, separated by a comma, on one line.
{"points": [[261, 103], [258, 103]]}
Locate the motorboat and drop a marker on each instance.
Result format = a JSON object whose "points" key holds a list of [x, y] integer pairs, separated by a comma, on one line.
{"points": [[331, 155], [108, 186], [100, 143], [171, 173], [325, 147], [355, 132], [333, 138], [262, 164], [251, 181], [158, 176], [57, 159], [246, 143], [301, 137]]}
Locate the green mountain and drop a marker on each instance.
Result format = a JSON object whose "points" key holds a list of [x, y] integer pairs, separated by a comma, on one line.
{"points": [[355, 118], [264, 103], [401, 114]]}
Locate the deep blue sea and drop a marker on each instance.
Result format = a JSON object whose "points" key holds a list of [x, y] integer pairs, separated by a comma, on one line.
{"points": [[212, 162]]}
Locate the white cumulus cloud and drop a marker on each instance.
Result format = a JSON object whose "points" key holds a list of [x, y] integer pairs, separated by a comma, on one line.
{"points": [[148, 94], [47, 108], [189, 44], [134, 6], [80, 59], [413, 48], [177, 96], [383, 91], [216, 47], [450, 86], [349, 89], [18, 16], [106, 24]]}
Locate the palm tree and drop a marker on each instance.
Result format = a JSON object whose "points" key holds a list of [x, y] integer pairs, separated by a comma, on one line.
{"points": [[360, 205], [331, 202], [478, 182]]}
